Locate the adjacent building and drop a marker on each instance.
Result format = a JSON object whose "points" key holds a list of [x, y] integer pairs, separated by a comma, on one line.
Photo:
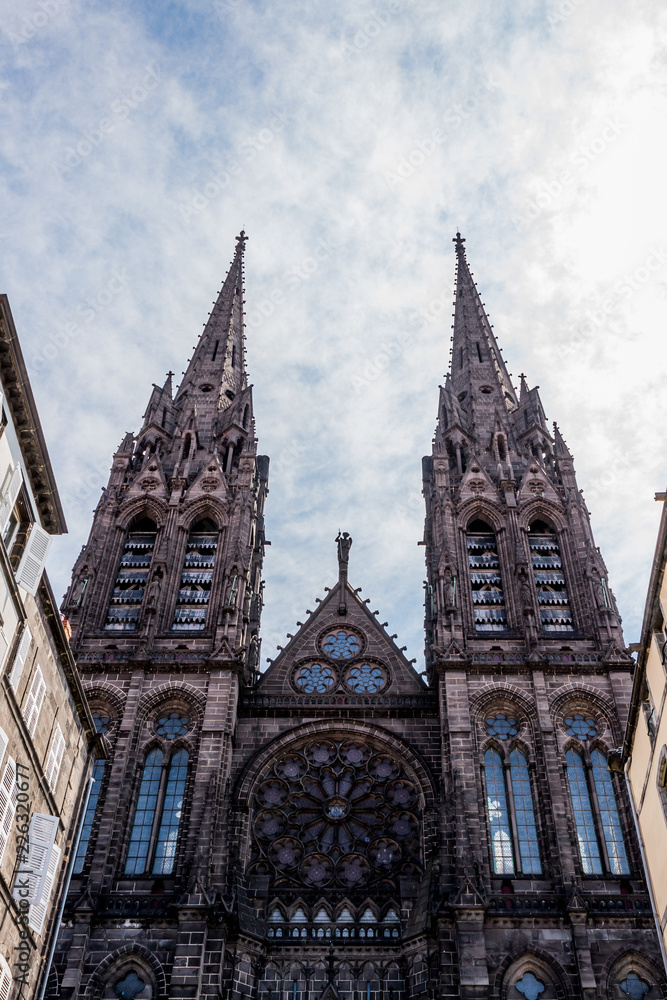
{"points": [[337, 828], [46, 729], [644, 752]]}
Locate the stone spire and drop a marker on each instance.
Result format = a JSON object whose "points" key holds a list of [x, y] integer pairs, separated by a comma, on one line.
{"points": [[479, 378]]}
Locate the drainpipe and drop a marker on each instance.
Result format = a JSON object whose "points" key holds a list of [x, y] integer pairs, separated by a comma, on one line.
{"points": [[63, 900], [646, 870]]}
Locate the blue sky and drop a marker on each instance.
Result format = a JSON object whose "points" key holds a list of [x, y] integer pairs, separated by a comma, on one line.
{"points": [[138, 139]]}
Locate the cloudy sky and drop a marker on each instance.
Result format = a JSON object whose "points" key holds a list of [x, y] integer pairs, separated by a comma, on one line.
{"points": [[350, 140]]}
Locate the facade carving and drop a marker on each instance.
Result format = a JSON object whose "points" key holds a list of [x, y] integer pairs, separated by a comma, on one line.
{"points": [[339, 827]]}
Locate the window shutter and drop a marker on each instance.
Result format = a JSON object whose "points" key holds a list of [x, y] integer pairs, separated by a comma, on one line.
{"points": [[4, 646], [3, 743], [9, 499], [41, 840], [34, 701], [34, 556], [21, 654], [55, 758], [38, 911], [8, 799], [5, 979]]}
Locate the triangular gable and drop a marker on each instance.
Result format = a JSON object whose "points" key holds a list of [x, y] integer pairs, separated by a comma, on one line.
{"points": [[150, 481], [347, 654], [210, 481], [476, 483], [535, 485]]}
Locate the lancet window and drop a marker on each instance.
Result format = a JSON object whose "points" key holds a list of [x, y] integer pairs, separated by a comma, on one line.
{"points": [[549, 577], [488, 597], [511, 814], [130, 584], [194, 594], [596, 816], [157, 815]]}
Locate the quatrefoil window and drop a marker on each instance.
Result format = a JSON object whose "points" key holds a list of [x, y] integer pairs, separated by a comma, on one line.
{"points": [[129, 987], [635, 987], [315, 678], [102, 721], [172, 725], [341, 644], [501, 725], [366, 678], [581, 727]]}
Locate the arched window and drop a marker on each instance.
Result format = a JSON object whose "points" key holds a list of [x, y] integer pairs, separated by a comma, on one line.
{"points": [[130, 585], [587, 799], [157, 816], [488, 597], [87, 827], [549, 579], [514, 841], [197, 577]]}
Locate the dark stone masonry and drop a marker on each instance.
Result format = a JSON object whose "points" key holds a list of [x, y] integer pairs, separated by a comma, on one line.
{"points": [[338, 828]]}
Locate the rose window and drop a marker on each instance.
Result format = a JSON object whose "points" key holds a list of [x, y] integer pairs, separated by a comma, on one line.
{"points": [[315, 678], [341, 645], [366, 678], [501, 725], [336, 812], [582, 728], [172, 725]]}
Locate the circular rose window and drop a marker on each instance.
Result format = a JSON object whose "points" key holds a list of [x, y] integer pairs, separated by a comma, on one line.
{"points": [[315, 678], [336, 811], [341, 644], [172, 725], [366, 678]]}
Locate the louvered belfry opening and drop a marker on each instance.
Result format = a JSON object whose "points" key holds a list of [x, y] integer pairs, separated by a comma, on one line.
{"points": [[488, 597], [130, 585], [197, 577], [550, 581]]}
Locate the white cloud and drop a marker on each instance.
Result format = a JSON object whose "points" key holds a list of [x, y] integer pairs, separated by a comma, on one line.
{"points": [[306, 108]]}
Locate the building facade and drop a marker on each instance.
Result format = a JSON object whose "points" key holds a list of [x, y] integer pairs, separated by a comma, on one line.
{"points": [[643, 758], [336, 827], [46, 730]]}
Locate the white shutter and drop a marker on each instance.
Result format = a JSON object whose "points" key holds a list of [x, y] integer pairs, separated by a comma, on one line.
{"points": [[55, 758], [41, 840], [34, 556], [3, 743], [4, 646], [21, 654], [9, 499], [5, 979], [33, 704], [8, 799], [37, 914]]}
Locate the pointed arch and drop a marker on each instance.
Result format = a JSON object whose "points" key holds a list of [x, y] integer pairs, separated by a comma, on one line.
{"points": [[549, 577], [486, 579], [132, 576], [124, 959], [196, 583]]}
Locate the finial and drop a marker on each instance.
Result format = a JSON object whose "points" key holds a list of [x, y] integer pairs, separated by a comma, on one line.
{"points": [[241, 241], [460, 249], [343, 543]]}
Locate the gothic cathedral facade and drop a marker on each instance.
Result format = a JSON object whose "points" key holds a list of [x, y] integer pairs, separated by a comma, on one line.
{"points": [[337, 828]]}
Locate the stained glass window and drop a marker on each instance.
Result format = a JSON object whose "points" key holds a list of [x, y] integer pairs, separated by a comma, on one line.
{"points": [[172, 725], [129, 987], [341, 645], [366, 678], [315, 678], [488, 597], [499, 821], [589, 849], [611, 821], [635, 987], [530, 986], [526, 828], [581, 728], [165, 851], [86, 829], [140, 838], [336, 811], [102, 721], [501, 725]]}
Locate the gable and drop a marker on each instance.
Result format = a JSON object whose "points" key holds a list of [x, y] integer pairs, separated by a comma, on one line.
{"points": [[347, 654]]}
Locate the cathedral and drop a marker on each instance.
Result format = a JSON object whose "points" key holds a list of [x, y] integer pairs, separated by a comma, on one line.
{"points": [[337, 827]]}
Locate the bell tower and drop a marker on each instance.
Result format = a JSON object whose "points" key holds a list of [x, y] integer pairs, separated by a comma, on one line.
{"points": [[525, 650], [165, 605]]}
